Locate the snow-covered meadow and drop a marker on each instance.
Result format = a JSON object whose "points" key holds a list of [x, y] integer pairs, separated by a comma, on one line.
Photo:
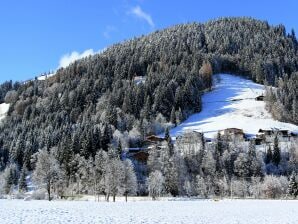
{"points": [[3, 110], [196, 211], [232, 104]]}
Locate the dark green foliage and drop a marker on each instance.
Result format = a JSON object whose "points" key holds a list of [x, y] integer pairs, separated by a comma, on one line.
{"points": [[268, 158], [255, 169], [276, 157], [173, 116], [22, 180]]}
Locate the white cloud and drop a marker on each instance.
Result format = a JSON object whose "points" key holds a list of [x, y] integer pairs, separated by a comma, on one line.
{"points": [[137, 11], [67, 59]]}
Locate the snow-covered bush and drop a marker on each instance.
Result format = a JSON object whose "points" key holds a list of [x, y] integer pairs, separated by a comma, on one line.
{"points": [[201, 187], [239, 188], [39, 194], [274, 187], [19, 195]]}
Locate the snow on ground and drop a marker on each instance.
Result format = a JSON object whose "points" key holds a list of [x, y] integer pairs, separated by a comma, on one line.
{"points": [[3, 110], [231, 104], [161, 212]]}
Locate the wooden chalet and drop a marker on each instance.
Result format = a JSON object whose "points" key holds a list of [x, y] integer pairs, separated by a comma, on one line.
{"points": [[268, 135], [233, 133], [153, 139], [138, 154]]}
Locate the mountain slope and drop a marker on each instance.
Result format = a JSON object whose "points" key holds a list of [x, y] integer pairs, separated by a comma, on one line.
{"points": [[95, 103], [232, 104]]}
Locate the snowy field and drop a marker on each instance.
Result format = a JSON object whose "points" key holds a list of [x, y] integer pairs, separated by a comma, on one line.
{"points": [[159, 212], [231, 104]]}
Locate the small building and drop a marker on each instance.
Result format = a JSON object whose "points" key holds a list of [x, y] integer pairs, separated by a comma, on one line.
{"points": [[258, 141], [154, 139], [266, 131], [190, 137], [232, 133], [268, 135], [141, 156], [284, 133], [138, 154], [260, 98], [131, 150]]}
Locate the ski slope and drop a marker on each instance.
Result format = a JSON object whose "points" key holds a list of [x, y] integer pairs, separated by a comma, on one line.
{"points": [[163, 212], [3, 110], [231, 104]]}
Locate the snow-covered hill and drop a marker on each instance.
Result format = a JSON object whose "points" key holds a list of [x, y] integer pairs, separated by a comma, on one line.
{"points": [[3, 110], [232, 104]]}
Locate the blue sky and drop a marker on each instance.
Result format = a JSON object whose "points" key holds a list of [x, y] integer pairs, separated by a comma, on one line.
{"points": [[38, 35]]}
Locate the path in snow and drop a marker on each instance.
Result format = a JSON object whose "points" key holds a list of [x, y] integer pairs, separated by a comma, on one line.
{"points": [[159, 212], [231, 104]]}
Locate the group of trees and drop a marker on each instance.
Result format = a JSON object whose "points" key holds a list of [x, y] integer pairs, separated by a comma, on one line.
{"points": [[191, 167], [105, 174], [95, 103], [282, 102], [6, 87], [225, 168]]}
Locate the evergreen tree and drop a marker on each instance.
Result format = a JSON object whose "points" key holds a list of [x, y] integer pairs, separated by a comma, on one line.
{"points": [[276, 157], [219, 144], [253, 161], [169, 142], [268, 158], [203, 142], [106, 137], [22, 180], [293, 186], [119, 150], [167, 135], [8, 180], [173, 116]]}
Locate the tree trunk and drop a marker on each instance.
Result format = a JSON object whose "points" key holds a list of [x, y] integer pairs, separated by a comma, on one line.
{"points": [[49, 191], [114, 198], [126, 197]]}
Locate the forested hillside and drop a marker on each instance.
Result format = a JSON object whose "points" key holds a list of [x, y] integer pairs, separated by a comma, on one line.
{"points": [[95, 103]]}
